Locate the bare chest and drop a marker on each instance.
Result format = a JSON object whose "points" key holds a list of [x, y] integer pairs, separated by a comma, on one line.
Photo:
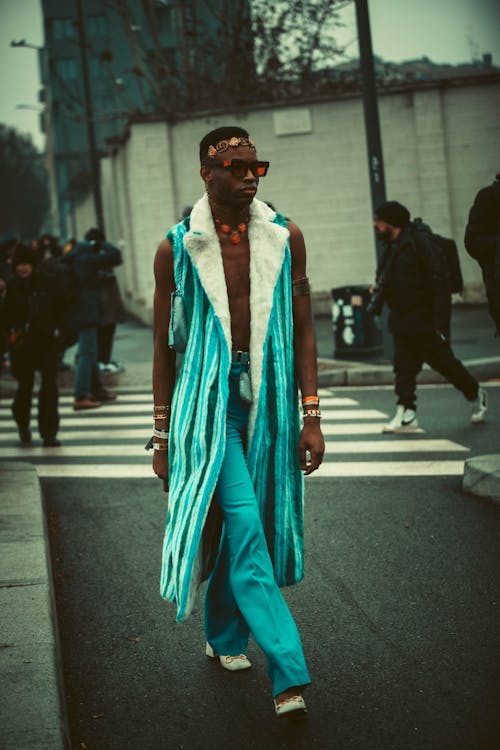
{"points": [[236, 262]]}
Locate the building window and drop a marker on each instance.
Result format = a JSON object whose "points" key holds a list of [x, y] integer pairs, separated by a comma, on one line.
{"points": [[163, 18], [67, 68], [63, 28], [95, 68], [96, 25]]}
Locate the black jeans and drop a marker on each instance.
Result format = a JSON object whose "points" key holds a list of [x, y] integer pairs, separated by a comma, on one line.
{"points": [[410, 353], [25, 361], [105, 342]]}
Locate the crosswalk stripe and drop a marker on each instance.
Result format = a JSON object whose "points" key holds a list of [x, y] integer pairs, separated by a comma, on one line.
{"points": [[98, 471], [109, 433], [330, 429], [145, 398], [88, 420], [108, 408], [327, 470], [393, 445], [356, 447], [345, 414], [120, 430], [388, 469], [76, 451]]}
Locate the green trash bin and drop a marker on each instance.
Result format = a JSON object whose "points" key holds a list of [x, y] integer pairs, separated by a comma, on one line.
{"points": [[356, 332]]}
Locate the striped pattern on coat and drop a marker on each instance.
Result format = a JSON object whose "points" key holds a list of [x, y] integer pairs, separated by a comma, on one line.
{"points": [[199, 405]]}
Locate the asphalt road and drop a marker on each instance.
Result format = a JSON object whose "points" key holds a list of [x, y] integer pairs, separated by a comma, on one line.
{"points": [[398, 610]]}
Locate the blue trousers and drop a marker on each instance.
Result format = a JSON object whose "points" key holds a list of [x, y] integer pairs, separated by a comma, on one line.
{"points": [[242, 596], [86, 375]]}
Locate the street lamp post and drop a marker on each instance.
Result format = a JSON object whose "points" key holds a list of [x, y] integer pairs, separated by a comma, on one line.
{"points": [[373, 138], [89, 118], [370, 106]]}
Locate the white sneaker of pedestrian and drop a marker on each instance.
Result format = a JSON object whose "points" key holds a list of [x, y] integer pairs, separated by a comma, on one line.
{"points": [[405, 420], [479, 407], [111, 367]]}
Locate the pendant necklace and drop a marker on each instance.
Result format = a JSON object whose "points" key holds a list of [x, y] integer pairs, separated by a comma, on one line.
{"points": [[234, 232]]}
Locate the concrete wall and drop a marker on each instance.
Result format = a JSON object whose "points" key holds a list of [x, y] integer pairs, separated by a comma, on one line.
{"points": [[441, 145]]}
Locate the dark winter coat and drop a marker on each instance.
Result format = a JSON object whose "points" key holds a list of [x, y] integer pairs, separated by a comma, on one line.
{"points": [[482, 240], [34, 307], [416, 284], [88, 260]]}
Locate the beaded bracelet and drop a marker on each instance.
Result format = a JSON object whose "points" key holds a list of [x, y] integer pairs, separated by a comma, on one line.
{"points": [[159, 407], [160, 446], [160, 433], [310, 400], [157, 446], [312, 413]]}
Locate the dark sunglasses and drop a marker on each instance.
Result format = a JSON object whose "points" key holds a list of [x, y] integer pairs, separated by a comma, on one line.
{"points": [[240, 167]]}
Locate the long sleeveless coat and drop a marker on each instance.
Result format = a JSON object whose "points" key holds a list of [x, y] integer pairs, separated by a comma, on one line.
{"points": [[199, 405]]}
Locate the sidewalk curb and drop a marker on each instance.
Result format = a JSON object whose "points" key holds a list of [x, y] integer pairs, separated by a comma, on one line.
{"points": [[338, 373], [32, 711], [331, 373], [482, 477]]}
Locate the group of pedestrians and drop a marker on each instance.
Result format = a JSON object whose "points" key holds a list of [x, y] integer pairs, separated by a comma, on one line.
{"points": [[52, 297]]}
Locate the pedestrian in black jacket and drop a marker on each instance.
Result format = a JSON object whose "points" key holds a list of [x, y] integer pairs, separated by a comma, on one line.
{"points": [[89, 259], [482, 240], [34, 310], [413, 279]]}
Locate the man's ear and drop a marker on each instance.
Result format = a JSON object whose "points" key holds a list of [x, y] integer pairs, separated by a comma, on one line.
{"points": [[206, 173]]}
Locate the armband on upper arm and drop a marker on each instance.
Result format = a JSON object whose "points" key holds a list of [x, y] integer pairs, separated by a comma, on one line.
{"points": [[300, 287]]}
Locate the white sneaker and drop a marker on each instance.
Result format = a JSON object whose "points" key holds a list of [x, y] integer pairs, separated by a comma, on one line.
{"points": [[110, 367], [479, 407], [405, 420]]}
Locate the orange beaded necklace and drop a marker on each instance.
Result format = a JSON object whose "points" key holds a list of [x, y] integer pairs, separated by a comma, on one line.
{"points": [[234, 232]]}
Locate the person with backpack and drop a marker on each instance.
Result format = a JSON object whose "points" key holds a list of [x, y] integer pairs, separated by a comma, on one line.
{"points": [[87, 261], [482, 242], [414, 280]]}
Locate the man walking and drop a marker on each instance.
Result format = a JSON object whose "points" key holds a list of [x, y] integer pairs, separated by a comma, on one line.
{"points": [[34, 311], [482, 240], [89, 259], [227, 432], [413, 279]]}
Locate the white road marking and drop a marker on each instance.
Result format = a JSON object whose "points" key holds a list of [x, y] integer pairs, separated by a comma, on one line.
{"points": [[388, 469], [330, 429], [88, 419], [345, 414], [394, 445], [74, 451], [144, 398], [106, 433], [97, 471]]}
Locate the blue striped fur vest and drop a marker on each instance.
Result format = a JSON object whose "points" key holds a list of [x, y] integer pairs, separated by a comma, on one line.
{"points": [[199, 404]]}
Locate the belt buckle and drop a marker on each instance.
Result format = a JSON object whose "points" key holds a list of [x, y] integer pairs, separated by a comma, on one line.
{"points": [[240, 356]]}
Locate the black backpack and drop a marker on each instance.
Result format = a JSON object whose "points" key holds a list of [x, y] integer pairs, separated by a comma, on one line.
{"points": [[450, 252]]}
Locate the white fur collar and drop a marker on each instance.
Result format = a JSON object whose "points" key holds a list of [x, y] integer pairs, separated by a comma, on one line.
{"points": [[267, 250]]}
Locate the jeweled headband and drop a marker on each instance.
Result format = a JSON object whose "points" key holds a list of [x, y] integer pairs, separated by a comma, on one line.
{"points": [[233, 142]]}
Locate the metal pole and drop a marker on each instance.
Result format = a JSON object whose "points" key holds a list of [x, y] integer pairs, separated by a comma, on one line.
{"points": [[89, 117], [373, 138], [370, 106]]}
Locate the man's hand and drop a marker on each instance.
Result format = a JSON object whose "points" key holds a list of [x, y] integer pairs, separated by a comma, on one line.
{"points": [[160, 466], [311, 442]]}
